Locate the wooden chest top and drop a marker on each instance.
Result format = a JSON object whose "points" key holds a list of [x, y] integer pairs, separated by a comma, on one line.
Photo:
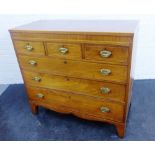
{"points": [[119, 27]]}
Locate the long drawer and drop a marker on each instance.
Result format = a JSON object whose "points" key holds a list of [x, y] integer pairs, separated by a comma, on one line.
{"points": [[87, 87], [74, 103], [79, 69]]}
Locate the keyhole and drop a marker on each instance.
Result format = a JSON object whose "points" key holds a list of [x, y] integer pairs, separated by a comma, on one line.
{"points": [[65, 62], [67, 79]]}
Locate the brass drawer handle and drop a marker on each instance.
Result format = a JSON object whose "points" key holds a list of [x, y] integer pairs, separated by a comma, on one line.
{"points": [[105, 109], [29, 48], [36, 78], [105, 53], [32, 62], [39, 95], [105, 71], [63, 50], [105, 90]]}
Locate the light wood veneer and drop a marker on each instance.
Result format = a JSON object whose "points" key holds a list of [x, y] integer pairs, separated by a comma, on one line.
{"points": [[84, 68]]}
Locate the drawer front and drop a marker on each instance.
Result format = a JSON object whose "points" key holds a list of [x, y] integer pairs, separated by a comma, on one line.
{"points": [[87, 87], [78, 69], [74, 103], [105, 53], [63, 50], [29, 47]]}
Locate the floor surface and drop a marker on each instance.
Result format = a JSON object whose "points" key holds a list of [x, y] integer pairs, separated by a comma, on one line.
{"points": [[18, 123]]}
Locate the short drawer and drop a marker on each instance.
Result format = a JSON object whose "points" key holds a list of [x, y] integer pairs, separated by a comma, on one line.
{"points": [[29, 47], [79, 69], [77, 104], [64, 50], [80, 86], [106, 53]]}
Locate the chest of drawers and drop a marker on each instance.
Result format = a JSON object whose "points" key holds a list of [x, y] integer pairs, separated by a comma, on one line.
{"points": [[82, 68]]}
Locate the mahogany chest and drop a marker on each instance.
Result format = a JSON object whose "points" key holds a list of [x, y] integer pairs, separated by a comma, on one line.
{"points": [[78, 67]]}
